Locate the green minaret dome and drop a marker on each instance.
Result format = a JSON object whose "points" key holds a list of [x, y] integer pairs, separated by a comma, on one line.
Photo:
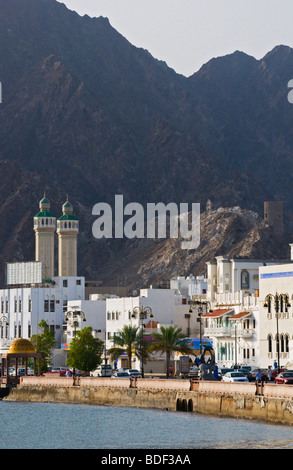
{"points": [[44, 206], [67, 210]]}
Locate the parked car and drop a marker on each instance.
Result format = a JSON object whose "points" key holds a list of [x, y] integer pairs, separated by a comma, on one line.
{"points": [[120, 375], [133, 373], [57, 370], [234, 377], [104, 370], [194, 372], [247, 374], [223, 371], [285, 377]]}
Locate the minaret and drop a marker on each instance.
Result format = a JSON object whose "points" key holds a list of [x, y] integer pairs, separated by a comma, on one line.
{"points": [[45, 227], [67, 230]]}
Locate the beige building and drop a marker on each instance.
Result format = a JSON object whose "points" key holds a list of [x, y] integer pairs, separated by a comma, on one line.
{"points": [[45, 227], [67, 230]]}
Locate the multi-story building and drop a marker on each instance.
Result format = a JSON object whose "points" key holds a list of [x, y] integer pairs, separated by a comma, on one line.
{"points": [[33, 291], [276, 314], [235, 323]]}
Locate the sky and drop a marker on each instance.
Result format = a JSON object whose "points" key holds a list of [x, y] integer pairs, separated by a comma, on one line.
{"points": [[188, 33]]}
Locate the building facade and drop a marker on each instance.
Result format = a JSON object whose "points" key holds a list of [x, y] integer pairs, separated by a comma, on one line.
{"points": [[24, 305]]}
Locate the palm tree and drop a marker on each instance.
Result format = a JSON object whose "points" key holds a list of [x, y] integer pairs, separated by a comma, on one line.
{"points": [[128, 340], [169, 340]]}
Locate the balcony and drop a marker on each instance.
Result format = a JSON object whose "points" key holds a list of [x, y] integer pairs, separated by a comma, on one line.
{"points": [[228, 331], [239, 298], [221, 331]]}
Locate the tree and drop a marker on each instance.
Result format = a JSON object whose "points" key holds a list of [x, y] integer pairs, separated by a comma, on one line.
{"points": [[169, 340], [44, 344], [129, 341], [85, 352]]}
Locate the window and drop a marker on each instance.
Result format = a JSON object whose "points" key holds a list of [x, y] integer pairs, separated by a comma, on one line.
{"points": [[286, 343], [227, 282], [270, 343], [46, 305], [29, 305], [19, 305], [29, 331], [244, 279], [65, 283], [52, 305], [19, 331], [78, 282]]}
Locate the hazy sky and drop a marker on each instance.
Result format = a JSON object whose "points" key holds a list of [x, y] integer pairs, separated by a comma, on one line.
{"points": [[188, 33]]}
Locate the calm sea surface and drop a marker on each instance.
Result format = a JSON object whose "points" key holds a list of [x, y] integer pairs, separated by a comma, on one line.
{"points": [[62, 426]]}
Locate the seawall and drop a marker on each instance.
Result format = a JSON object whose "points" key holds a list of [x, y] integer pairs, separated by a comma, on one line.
{"points": [[270, 403]]}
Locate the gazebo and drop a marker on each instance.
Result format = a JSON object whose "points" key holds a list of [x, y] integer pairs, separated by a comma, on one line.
{"points": [[19, 352]]}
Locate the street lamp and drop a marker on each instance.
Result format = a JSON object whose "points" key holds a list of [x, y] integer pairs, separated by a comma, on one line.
{"points": [[279, 301], [199, 306], [4, 321], [143, 313]]}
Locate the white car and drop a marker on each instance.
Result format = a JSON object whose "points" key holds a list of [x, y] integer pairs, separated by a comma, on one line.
{"points": [[120, 375], [104, 370], [134, 373], [234, 377]]}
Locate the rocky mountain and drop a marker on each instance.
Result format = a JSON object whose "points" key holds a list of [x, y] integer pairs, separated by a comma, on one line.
{"points": [[86, 113]]}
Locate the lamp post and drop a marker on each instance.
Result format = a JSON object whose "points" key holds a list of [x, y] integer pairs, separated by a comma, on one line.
{"points": [[279, 300], [143, 313], [4, 320], [75, 315], [199, 306]]}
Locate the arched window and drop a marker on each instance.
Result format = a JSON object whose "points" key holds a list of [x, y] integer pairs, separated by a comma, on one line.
{"points": [[244, 279], [282, 343], [270, 348], [286, 343], [227, 282]]}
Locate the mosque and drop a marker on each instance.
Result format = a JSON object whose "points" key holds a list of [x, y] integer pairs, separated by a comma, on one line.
{"points": [[33, 292]]}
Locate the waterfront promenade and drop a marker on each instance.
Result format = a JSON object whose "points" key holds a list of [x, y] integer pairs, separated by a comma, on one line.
{"points": [[268, 402]]}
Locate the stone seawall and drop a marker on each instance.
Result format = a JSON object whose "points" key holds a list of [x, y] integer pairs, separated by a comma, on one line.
{"points": [[269, 403], [244, 401]]}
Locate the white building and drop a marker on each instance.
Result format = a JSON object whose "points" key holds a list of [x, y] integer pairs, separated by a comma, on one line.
{"points": [[28, 300], [276, 314], [190, 286], [235, 323], [168, 308]]}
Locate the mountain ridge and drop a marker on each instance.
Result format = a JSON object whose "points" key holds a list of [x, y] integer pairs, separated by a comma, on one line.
{"points": [[88, 114]]}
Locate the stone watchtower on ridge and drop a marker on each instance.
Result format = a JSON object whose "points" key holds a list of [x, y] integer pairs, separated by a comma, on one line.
{"points": [[273, 215]]}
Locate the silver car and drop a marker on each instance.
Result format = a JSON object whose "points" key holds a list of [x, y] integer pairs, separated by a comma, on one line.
{"points": [[234, 377]]}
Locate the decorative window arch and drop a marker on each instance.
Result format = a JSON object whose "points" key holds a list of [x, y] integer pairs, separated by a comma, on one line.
{"points": [[270, 343], [245, 279]]}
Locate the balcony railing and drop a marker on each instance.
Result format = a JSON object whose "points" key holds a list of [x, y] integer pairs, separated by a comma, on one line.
{"points": [[229, 331], [236, 298]]}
